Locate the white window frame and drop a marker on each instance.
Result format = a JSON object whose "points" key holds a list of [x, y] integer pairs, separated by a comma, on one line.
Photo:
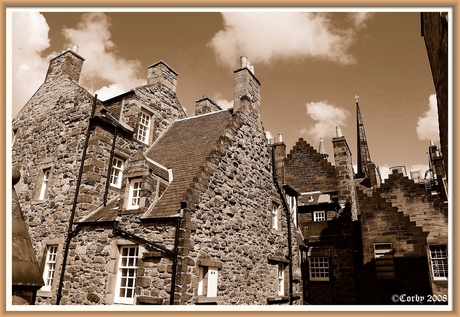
{"points": [[319, 215], [116, 174], [127, 274], [44, 183], [50, 266], [439, 262], [275, 216], [143, 131], [319, 268], [280, 268], [292, 203], [207, 281], [134, 198]]}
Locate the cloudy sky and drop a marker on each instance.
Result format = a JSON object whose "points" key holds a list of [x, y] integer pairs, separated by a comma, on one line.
{"points": [[310, 64]]}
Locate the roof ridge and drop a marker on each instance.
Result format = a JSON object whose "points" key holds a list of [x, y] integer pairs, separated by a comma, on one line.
{"points": [[204, 114]]}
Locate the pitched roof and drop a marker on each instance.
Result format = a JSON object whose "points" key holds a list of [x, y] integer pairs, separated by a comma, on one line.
{"points": [[184, 147]]}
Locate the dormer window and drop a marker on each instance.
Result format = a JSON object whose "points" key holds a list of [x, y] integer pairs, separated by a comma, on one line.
{"points": [[143, 131]]}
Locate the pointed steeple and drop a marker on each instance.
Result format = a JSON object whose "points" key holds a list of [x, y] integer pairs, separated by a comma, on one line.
{"points": [[322, 149], [364, 157]]}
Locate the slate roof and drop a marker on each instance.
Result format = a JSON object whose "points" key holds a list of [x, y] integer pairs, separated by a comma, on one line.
{"points": [[104, 213], [184, 147]]}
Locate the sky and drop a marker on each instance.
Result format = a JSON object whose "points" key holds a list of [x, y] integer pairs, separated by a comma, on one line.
{"points": [[311, 65]]}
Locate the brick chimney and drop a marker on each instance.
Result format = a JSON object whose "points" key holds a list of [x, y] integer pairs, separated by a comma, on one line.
{"points": [[246, 88], [68, 63], [345, 175], [161, 74], [205, 105]]}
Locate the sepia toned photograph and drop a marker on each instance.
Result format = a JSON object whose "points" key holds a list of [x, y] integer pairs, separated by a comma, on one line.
{"points": [[265, 158]]}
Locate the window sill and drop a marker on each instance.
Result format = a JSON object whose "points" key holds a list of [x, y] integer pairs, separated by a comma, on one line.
{"points": [[206, 300], [42, 293], [277, 299]]}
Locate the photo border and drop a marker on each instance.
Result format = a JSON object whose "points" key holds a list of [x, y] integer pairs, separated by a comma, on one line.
{"points": [[5, 171]]}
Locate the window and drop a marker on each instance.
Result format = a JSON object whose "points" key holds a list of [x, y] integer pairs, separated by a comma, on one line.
{"points": [[275, 216], [438, 258], [319, 268], [384, 264], [292, 204], [117, 172], [319, 215], [280, 273], [143, 131], [127, 272], [134, 194], [44, 183], [207, 281], [50, 266]]}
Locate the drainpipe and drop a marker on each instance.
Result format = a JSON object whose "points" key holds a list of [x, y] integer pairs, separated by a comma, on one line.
{"points": [[74, 205], [175, 261], [109, 171], [288, 217]]}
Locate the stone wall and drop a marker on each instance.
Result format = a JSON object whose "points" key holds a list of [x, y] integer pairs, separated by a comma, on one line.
{"points": [[306, 170], [50, 141], [233, 220], [383, 223]]}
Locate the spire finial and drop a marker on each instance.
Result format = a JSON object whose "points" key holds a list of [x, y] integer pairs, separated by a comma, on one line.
{"points": [[356, 98]]}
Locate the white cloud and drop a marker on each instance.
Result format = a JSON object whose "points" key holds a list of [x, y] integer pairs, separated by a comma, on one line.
{"points": [[263, 36], [327, 116], [104, 72], [29, 40], [224, 104], [110, 91], [102, 64], [360, 19], [428, 125]]}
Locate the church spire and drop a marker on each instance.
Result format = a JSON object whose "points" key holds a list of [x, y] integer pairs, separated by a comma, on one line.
{"points": [[364, 157]]}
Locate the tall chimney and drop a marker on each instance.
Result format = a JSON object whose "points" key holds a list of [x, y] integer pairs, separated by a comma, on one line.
{"points": [[246, 88]]}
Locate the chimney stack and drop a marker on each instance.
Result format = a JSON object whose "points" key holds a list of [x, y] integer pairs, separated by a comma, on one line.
{"points": [[162, 75], [246, 88], [68, 63]]}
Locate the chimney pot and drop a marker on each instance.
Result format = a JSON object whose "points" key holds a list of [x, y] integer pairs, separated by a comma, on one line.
{"points": [[280, 137], [338, 131], [243, 61]]}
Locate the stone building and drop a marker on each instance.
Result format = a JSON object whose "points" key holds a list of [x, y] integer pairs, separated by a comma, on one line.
{"points": [[140, 205], [131, 202], [370, 239], [434, 29]]}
